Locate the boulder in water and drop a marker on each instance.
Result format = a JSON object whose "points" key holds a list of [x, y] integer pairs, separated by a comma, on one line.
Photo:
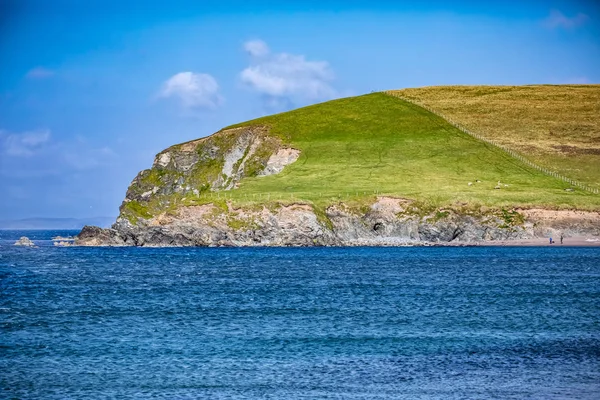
{"points": [[24, 241]]}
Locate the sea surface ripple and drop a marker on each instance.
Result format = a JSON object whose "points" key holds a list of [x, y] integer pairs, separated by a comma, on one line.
{"points": [[298, 323]]}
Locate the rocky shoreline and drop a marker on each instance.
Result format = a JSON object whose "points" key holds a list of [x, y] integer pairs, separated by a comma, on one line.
{"points": [[387, 222]]}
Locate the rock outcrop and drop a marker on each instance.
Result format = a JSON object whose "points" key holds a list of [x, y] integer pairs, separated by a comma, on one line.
{"points": [[24, 241], [212, 164], [217, 162], [387, 222]]}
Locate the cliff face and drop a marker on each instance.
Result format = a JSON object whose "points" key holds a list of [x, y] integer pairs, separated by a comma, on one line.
{"points": [[387, 222], [216, 163]]}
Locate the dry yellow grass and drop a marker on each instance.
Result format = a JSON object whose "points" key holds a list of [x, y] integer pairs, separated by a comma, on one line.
{"points": [[555, 126]]}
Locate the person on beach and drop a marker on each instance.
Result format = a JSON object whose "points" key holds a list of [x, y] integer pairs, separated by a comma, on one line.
{"points": [[561, 237], [551, 241]]}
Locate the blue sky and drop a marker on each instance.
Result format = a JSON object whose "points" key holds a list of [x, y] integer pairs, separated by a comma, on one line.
{"points": [[90, 91]]}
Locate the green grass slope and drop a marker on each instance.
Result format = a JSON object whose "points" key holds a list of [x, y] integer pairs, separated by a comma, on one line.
{"points": [[555, 126], [357, 147]]}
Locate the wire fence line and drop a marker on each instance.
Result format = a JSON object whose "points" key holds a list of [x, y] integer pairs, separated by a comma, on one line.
{"points": [[277, 196], [497, 145]]}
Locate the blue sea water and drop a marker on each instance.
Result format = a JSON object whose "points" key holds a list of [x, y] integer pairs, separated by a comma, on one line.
{"points": [[307, 323]]}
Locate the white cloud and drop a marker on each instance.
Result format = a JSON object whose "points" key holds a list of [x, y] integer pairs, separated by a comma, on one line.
{"points": [[23, 144], [557, 19], [39, 73], [194, 90], [256, 48], [283, 77]]}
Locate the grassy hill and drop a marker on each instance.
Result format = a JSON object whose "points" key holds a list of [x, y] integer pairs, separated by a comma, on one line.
{"points": [[377, 143], [356, 148], [555, 126]]}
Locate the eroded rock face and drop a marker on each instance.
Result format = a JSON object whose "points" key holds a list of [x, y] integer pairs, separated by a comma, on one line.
{"points": [[569, 222], [279, 160], [208, 225], [215, 163], [95, 236], [388, 222], [234, 161]]}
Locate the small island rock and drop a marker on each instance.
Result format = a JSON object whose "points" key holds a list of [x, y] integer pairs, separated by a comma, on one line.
{"points": [[24, 241]]}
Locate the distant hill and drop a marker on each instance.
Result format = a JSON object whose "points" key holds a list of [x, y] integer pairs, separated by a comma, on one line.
{"points": [[55, 223]]}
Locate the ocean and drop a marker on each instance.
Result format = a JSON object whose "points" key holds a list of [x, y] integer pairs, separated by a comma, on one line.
{"points": [[298, 323]]}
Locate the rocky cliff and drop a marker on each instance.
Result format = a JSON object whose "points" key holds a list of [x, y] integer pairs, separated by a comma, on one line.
{"points": [[387, 222], [169, 205]]}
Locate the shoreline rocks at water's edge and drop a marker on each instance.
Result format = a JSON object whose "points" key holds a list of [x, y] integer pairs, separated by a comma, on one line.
{"points": [[25, 242], [385, 223]]}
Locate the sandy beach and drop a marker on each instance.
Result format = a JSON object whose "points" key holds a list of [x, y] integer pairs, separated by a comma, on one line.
{"points": [[578, 241]]}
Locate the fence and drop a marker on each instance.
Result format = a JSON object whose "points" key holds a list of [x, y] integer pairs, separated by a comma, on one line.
{"points": [[279, 196], [512, 153]]}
